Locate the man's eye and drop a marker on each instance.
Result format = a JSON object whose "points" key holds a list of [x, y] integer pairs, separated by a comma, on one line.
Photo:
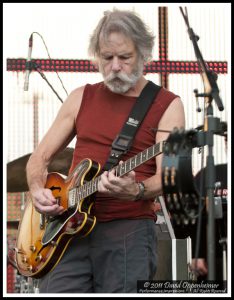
{"points": [[124, 57], [108, 57]]}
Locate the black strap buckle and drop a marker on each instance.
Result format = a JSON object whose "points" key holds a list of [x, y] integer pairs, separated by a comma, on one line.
{"points": [[121, 144]]}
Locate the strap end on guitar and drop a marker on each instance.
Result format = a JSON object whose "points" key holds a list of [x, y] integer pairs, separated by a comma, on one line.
{"points": [[120, 146]]}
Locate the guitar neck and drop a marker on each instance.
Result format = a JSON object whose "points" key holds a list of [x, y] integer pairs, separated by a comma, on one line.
{"points": [[89, 188], [138, 159]]}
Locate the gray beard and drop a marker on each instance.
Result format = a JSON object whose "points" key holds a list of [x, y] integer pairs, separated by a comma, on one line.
{"points": [[120, 83]]}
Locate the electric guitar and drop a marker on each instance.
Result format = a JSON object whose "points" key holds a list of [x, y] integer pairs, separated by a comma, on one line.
{"points": [[42, 240]]}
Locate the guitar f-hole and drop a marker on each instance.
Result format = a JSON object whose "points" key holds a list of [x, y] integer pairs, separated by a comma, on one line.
{"points": [[53, 188]]}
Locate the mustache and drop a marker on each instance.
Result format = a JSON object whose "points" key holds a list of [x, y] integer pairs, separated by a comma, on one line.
{"points": [[123, 77]]}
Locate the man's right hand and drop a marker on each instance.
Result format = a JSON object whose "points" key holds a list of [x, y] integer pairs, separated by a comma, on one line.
{"points": [[45, 203], [199, 266]]}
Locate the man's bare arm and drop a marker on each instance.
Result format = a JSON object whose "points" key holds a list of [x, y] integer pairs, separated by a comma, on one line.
{"points": [[58, 136]]}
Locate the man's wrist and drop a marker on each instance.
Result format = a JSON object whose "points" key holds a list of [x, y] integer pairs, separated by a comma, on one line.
{"points": [[141, 192]]}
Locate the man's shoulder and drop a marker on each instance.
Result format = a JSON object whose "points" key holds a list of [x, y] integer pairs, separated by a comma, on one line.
{"points": [[94, 86], [165, 92], [80, 90]]}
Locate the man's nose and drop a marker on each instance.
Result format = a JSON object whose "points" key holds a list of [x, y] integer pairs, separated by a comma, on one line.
{"points": [[116, 64]]}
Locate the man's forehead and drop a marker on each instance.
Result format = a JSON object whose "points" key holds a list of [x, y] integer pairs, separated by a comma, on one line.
{"points": [[115, 37], [116, 42]]}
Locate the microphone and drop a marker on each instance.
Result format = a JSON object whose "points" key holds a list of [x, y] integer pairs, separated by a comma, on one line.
{"points": [[28, 63]]}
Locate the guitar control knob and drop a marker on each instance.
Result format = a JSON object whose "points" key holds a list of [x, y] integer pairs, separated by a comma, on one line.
{"points": [[24, 259], [30, 268], [32, 248], [19, 251], [38, 257]]}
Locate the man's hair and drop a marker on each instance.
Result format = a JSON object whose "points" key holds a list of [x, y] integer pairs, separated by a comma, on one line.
{"points": [[128, 23]]}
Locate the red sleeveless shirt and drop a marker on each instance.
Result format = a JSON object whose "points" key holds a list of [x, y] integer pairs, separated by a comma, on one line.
{"points": [[100, 119]]}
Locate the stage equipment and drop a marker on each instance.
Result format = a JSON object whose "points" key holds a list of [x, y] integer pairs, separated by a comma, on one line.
{"points": [[28, 63], [16, 174], [180, 192], [32, 65], [211, 126], [174, 255]]}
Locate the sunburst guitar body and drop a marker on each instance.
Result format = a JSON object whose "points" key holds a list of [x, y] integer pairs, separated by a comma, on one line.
{"points": [[42, 240]]}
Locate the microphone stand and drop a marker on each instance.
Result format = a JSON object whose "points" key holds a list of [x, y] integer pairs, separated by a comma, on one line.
{"points": [[36, 67], [211, 125]]}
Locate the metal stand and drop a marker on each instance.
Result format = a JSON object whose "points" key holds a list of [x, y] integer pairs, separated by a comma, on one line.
{"points": [[211, 125], [34, 66]]}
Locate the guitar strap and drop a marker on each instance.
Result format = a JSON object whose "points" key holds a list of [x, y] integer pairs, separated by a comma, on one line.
{"points": [[124, 139]]}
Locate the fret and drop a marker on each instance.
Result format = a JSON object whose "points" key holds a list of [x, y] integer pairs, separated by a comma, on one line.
{"points": [[88, 188], [85, 188], [122, 170], [128, 166], [117, 171], [91, 187], [133, 162], [131, 166], [83, 194], [138, 160], [94, 186], [144, 156], [156, 148], [79, 193], [151, 152]]}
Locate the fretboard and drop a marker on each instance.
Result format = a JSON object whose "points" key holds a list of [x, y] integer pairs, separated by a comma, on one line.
{"points": [[90, 187]]}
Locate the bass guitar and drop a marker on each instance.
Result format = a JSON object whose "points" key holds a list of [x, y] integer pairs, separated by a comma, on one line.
{"points": [[42, 240]]}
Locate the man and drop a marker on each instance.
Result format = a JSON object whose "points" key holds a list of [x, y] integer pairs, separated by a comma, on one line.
{"points": [[121, 248]]}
